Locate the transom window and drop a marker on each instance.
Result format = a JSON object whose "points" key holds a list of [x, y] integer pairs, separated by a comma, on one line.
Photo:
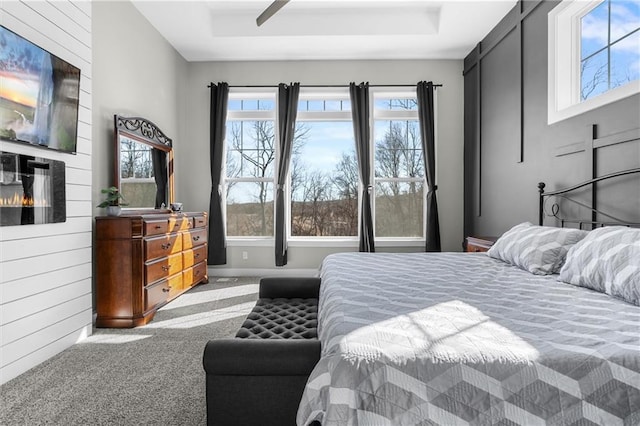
{"points": [[609, 47], [593, 55]]}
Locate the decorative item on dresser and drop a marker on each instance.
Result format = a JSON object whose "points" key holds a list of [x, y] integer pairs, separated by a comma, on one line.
{"points": [[479, 244], [144, 260]]}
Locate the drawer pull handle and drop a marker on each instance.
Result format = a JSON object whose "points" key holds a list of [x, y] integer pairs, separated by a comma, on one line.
{"points": [[166, 289], [158, 227], [196, 238], [165, 246], [197, 255], [166, 268], [197, 273]]}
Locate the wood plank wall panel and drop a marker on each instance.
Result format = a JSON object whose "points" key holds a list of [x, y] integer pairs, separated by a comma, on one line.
{"points": [[45, 270]]}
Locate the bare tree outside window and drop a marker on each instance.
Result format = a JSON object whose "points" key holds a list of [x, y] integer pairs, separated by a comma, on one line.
{"points": [[399, 172], [251, 158], [324, 184]]}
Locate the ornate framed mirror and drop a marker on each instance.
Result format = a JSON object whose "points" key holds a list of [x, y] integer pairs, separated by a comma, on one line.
{"points": [[144, 164]]}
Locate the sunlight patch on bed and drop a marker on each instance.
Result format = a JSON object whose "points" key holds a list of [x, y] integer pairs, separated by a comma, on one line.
{"points": [[204, 318], [452, 331]]}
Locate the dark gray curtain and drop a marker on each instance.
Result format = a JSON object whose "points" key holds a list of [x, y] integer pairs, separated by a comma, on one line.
{"points": [[426, 117], [160, 173], [287, 111], [360, 113], [217, 252]]}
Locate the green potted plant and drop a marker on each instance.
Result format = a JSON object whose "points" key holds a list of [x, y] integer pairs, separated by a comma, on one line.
{"points": [[113, 202]]}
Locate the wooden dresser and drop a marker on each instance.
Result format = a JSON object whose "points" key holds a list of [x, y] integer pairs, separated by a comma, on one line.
{"points": [[145, 260]]}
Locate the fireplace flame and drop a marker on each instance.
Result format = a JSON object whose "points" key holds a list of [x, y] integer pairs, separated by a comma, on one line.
{"points": [[18, 200]]}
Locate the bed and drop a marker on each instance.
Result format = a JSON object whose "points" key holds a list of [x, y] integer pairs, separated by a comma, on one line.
{"points": [[471, 338]]}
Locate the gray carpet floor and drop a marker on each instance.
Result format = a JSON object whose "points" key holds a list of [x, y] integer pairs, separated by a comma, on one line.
{"points": [[150, 375]]}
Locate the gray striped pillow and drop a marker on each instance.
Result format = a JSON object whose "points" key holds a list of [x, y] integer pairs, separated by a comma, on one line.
{"points": [[540, 250], [608, 261]]}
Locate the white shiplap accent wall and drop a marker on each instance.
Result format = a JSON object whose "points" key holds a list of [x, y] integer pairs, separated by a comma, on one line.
{"points": [[45, 270]]}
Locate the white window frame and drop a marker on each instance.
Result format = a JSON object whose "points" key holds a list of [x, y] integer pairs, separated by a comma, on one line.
{"points": [[310, 94], [320, 94], [379, 93], [563, 89], [261, 115]]}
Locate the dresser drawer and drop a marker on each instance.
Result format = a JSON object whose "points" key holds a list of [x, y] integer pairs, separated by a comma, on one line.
{"points": [[162, 268], [155, 227], [177, 224], [156, 294], [194, 238], [193, 256], [200, 221], [190, 276], [176, 284], [161, 291], [162, 246]]}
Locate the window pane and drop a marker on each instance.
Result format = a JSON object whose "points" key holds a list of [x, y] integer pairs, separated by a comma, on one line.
{"points": [[625, 60], [399, 207], [625, 19], [594, 75], [324, 180], [398, 149], [135, 159], [249, 209], [250, 148], [594, 33], [251, 105]]}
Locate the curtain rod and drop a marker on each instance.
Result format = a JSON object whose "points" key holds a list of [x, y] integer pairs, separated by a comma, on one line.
{"points": [[327, 85]]}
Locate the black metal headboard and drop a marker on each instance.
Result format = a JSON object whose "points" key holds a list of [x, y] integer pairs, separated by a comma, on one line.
{"points": [[561, 193]]}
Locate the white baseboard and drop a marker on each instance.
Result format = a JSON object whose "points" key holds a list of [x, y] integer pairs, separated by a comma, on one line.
{"points": [[261, 272]]}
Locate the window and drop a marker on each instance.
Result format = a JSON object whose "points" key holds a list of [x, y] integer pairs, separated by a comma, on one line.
{"points": [[594, 55], [250, 164], [323, 190], [399, 180], [324, 171], [609, 47]]}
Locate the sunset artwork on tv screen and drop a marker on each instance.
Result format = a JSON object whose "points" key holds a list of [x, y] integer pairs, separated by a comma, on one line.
{"points": [[39, 95]]}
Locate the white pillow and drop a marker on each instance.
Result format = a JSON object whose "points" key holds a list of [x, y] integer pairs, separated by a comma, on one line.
{"points": [[608, 261], [540, 250]]}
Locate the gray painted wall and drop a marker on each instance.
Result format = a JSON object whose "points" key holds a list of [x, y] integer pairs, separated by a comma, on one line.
{"points": [[136, 73], [499, 190], [192, 150], [139, 73]]}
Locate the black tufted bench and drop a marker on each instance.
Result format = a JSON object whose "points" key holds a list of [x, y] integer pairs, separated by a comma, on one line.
{"points": [[281, 319], [258, 377]]}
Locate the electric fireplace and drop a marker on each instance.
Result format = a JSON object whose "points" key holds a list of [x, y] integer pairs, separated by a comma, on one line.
{"points": [[32, 190]]}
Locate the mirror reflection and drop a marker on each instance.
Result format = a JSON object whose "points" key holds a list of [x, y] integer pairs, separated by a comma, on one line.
{"points": [[137, 178], [144, 164]]}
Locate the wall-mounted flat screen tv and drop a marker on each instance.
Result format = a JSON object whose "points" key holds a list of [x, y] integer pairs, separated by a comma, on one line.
{"points": [[39, 95]]}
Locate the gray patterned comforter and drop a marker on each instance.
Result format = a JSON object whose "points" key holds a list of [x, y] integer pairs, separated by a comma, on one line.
{"points": [[460, 338]]}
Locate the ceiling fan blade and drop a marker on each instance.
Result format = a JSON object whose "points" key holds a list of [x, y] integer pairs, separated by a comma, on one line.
{"points": [[270, 11]]}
